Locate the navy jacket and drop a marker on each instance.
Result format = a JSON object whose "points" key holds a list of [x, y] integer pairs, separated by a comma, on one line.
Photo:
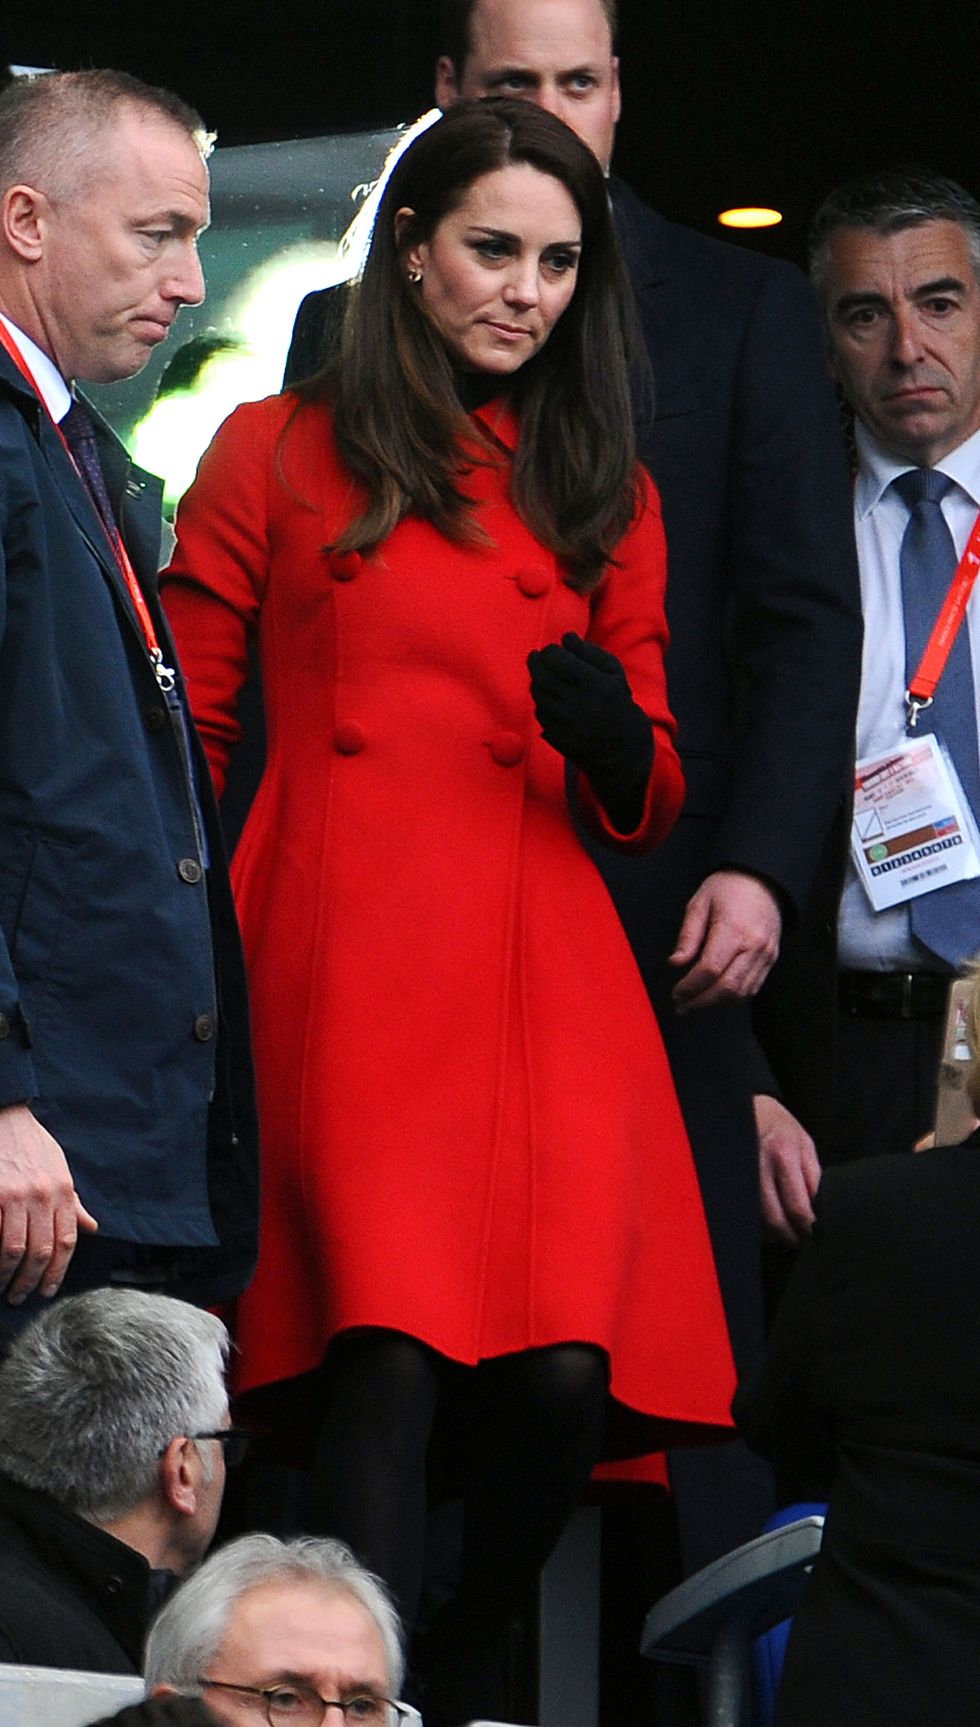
{"points": [[122, 994]]}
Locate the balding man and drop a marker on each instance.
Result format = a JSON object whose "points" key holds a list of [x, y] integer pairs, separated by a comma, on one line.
{"points": [[125, 1089]]}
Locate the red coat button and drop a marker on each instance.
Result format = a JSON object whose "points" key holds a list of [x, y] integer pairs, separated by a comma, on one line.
{"points": [[349, 738], [344, 566], [533, 581], [507, 749]]}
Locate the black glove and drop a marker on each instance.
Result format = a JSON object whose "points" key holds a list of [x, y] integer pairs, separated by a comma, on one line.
{"points": [[586, 711]]}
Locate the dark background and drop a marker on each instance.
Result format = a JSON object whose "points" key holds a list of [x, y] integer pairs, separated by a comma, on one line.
{"points": [[768, 101]]}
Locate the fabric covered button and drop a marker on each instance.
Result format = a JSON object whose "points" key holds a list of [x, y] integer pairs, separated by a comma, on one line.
{"points": [[189, 870], [349, 738], [4, 1025], [204, 1027], [154, 719], [344, 566], [507, 749], [533, 581]]}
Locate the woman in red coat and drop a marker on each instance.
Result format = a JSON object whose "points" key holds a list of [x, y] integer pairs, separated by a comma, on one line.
{"points": [[473, 1154]]}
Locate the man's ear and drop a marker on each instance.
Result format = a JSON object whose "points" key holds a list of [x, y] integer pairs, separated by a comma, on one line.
{"points": [[22, 221], [447, 83], [617, 90], [179, 1474]]}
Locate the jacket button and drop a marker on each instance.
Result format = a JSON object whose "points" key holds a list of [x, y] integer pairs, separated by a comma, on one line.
{"points": [[204, 1027], [349, 738], [4, 1025], [114, 1585], [189, 870], [507, 749], [533, 581], [344, 566], [154, 719]]}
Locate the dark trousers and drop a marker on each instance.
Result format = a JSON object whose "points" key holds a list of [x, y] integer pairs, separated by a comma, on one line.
{"points": [[887, 1070]]}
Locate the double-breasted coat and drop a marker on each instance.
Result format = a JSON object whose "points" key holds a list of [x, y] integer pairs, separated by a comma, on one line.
{"points": [[470, 1130]]}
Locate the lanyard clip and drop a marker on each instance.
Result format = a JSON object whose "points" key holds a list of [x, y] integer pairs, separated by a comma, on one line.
{"points": [[166, 676], [914, 706]]}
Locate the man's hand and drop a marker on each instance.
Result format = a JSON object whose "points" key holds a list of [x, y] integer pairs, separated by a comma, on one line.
{"points": [[729, 939], [789, 1171], [40, 1212]]}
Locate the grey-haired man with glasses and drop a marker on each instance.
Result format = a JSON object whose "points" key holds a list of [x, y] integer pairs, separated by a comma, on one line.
{"points": [[114, 1438], [295, 1633]]}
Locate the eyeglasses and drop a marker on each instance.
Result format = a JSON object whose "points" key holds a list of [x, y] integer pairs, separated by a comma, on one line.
{"points": [[234, 1442], [298, 1705]]}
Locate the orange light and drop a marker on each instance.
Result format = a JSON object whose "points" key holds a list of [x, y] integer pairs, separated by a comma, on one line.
{"points": [[750, 217]]}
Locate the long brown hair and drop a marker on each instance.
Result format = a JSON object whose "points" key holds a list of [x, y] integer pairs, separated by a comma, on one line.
{"points": [[398, 420]]}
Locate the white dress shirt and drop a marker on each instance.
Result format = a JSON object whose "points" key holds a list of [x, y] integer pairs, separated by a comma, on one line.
{"points": [[53, 390], [883, 941]]}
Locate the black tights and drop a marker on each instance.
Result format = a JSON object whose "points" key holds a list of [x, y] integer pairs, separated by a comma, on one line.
{"points": [[536, 1420]]}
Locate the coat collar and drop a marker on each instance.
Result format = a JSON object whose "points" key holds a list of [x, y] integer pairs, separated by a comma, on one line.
{"points": [[113, 1579], [643, 236]]}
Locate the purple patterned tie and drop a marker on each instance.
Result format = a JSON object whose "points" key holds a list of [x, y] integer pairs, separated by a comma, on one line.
{"points": [[79, 430]]}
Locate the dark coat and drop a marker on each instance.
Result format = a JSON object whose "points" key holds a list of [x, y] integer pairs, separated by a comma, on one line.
{"points": [[122, 995], [70, 1594], [763, 669], [871, 1382]]}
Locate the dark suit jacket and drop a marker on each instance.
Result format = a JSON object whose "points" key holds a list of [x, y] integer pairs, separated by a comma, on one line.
{"points": [[763, 670], [70, 1594], [872, 1381], [122, 994]]}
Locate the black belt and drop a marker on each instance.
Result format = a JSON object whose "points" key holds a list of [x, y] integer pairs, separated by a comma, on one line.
{"points": [[893, 994]]}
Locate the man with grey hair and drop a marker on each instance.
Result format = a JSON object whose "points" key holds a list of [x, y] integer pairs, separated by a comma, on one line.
{"points": [[114, 1433], [125, 1086], [896, 260], [295, 1627]]}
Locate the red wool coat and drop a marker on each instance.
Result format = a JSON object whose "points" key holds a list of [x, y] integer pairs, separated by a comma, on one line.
{"points": [[470, 1133]]}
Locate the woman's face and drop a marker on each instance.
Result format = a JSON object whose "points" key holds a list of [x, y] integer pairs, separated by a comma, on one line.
{"points": [[499, 271]]}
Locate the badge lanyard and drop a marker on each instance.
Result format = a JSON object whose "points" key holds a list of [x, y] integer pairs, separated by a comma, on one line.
{"points": [[922, 687], [164, 674]]}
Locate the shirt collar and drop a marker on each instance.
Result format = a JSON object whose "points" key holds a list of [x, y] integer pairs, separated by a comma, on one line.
{"points": [[877, 469], [52, 389]]}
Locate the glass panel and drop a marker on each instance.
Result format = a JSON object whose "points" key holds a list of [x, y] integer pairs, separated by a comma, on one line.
{"points": [[285, 218]]}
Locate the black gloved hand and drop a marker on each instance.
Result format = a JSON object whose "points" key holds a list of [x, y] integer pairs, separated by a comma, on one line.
{"points": [[586, 711]]}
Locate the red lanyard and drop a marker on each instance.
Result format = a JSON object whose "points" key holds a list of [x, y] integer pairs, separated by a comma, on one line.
{"points": [[922, 687], [164, 674]]}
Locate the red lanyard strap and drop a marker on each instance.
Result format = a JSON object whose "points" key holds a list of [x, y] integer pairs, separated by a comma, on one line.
{"points": [[164, 674], [922, 686]]}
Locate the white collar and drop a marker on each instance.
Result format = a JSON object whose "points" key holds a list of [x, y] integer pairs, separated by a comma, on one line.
{"points": [[878, 468], [53, 390]]}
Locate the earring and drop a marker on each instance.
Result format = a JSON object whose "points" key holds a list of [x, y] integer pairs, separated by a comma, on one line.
{"points": [[415, 277]]}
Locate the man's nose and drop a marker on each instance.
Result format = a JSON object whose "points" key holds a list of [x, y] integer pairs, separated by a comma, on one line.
{"points": [[906, 343], [186, 283]]}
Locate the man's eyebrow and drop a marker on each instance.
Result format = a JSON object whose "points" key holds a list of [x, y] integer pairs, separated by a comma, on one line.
{"points": [[925, 291]]}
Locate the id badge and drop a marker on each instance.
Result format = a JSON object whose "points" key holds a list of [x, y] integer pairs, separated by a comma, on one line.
{"points": [[913, 829]]}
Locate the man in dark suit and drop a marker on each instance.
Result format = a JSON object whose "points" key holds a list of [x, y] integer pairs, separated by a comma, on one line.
{"points": [[764, 656], [125, 1084]]}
